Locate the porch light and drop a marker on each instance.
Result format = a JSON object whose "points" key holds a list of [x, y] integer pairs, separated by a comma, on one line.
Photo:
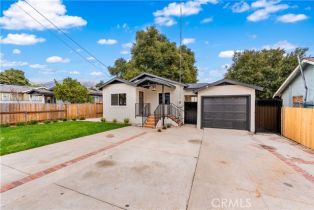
{"points": [[153, 87]]}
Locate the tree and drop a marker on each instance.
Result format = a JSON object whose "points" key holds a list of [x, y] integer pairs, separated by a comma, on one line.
{"points": [[13, 77], [99, 84], [265, 68], [70, 90], [153, 53]]}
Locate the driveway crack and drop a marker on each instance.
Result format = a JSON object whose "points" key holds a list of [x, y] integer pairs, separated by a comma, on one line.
{"points": [[89, 196], [198, 157], [15, 169]]}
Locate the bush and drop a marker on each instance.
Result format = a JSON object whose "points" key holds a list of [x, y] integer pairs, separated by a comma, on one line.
{"points": [[164, 127], [82, 118], [20, 123], [54, 121], [33, 122], [159, 130], [65, 119], [74, 119], [169, 125], [114, 120], [5, 125], [126, 121], [103, 119], [47, 121]]}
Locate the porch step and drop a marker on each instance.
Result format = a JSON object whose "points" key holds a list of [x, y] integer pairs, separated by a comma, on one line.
{"points": [[150, 122]]}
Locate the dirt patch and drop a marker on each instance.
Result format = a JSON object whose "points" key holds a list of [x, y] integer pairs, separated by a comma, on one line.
{"points": [[195, 141], [105, 163], [267, 147], [110, 135]]}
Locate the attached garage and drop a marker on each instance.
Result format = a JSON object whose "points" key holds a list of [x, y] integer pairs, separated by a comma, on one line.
{"points": [[227, 104]]}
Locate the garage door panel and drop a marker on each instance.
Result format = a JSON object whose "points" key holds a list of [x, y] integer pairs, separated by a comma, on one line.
{"points": [[225, 112]]}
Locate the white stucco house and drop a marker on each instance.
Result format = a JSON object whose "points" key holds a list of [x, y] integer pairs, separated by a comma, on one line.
{"points": [[150, 101]]}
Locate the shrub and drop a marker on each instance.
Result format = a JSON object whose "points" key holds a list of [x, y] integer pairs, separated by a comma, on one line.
{"points": [[65, 119], [169, 125], [103, 119], [20, 123], [82, 118], [54, 121], [74, 119], [164, 127], [33, 122], [114, 120], [159, 130], [126, 121], [47, 121], [5, 125]]}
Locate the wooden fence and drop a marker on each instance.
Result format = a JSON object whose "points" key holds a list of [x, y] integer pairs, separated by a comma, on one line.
{"points": [[298, 125], [14, 113]]}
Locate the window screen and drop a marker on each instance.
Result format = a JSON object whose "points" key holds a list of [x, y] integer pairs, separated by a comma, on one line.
{"points": [[114, 99]]}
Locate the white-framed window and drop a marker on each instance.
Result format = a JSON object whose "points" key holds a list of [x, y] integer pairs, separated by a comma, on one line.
{"points": [[35, 98], [5, 97], [118, 99]]}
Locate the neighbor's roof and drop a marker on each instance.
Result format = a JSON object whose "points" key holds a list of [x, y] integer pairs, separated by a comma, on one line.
{"points": [[40, 90], [142, 75], [227, 81], [195, 86], [293, 74], [94, 92], [14, 88]]}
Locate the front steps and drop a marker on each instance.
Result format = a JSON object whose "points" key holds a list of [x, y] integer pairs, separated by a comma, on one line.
{"points": [[151, 121]]}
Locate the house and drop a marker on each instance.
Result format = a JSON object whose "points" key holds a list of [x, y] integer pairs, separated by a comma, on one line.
{"points": [[95, 95], [153, 101], [25, 94], [293, 92]]}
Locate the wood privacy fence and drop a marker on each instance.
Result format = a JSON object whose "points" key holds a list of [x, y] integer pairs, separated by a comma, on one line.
{"points": [[298, 125], [15, 113]]}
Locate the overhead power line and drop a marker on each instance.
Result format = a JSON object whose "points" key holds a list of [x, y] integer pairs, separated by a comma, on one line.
{"points": [[65, 34]]}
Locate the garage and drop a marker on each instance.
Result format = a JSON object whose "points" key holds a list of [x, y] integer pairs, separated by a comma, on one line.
{"points": [[231, 112], [227, 104]]}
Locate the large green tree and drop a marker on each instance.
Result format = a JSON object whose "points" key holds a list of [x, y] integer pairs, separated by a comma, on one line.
{"points": [[153, 53], [70, 90], [265, 68], [13, 77]]}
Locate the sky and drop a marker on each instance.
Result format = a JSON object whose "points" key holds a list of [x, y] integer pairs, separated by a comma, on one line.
{"points": [[213, 29]]}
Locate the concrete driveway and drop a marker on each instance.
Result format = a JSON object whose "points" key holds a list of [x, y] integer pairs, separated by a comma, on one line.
{"points": [[180, 168]]}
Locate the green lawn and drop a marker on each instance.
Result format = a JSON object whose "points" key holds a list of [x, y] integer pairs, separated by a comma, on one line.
{"points": [[14, 139]]}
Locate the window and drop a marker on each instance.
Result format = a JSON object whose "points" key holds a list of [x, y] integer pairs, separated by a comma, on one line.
{"points": [[297, 101], [190, 98], [118, 99], [167, 98], [6, 96], [35, 98]]}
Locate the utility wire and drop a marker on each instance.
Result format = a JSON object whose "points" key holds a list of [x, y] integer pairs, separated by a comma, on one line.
{"points": [[63, 42], [70, 38]]}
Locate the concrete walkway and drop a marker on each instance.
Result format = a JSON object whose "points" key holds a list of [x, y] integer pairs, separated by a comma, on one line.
{"points": [[179, 168]]}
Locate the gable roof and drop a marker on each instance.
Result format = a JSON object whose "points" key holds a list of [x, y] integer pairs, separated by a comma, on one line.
{"points": [[155, 76], [293, 75], [4, 88], [116, 80], [154, 80], [195, 86], [230, 82]]}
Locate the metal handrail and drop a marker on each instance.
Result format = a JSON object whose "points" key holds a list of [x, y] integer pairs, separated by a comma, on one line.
{"points": [[170, 110]]}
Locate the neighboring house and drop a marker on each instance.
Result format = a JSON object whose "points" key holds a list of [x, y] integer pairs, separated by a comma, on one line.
{"points": [[292, 91], [96, 96], [147, 97], [24, 94]]}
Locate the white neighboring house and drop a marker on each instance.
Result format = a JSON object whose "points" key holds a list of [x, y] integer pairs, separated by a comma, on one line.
{"points": [[25, 94], [147, 99]]}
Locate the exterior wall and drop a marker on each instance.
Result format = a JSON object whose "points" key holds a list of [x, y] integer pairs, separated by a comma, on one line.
{"points": [[227, 90], [296, 87], [119, 112]]}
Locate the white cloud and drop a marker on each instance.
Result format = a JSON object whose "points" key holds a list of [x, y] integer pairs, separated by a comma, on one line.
{"points": [[96, 73], [57, 59], [292, 18], [9, 64], [90, 58], [265, 9], [15, 18], [187, 41], [281, 44], [38, 66], [192, 7], [21, 39], [207, 20], [128, 45], [16, 51], [74, 72], [240, 7], [125, 52], [226, 54], [107, 41]]}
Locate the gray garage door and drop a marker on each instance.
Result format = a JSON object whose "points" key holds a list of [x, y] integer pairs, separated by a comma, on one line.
{"points": [[225, 112]]}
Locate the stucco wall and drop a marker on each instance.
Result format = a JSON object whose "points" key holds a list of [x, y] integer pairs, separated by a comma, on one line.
{"points": [[296, 87], [119, 112], [227, 90]]}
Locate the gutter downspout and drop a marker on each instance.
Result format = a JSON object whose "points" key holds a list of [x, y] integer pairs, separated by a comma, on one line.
{"points": [[304, 81]]}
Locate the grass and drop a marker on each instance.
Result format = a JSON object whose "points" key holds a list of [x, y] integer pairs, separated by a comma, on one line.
{"points": [[15, 139]]}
